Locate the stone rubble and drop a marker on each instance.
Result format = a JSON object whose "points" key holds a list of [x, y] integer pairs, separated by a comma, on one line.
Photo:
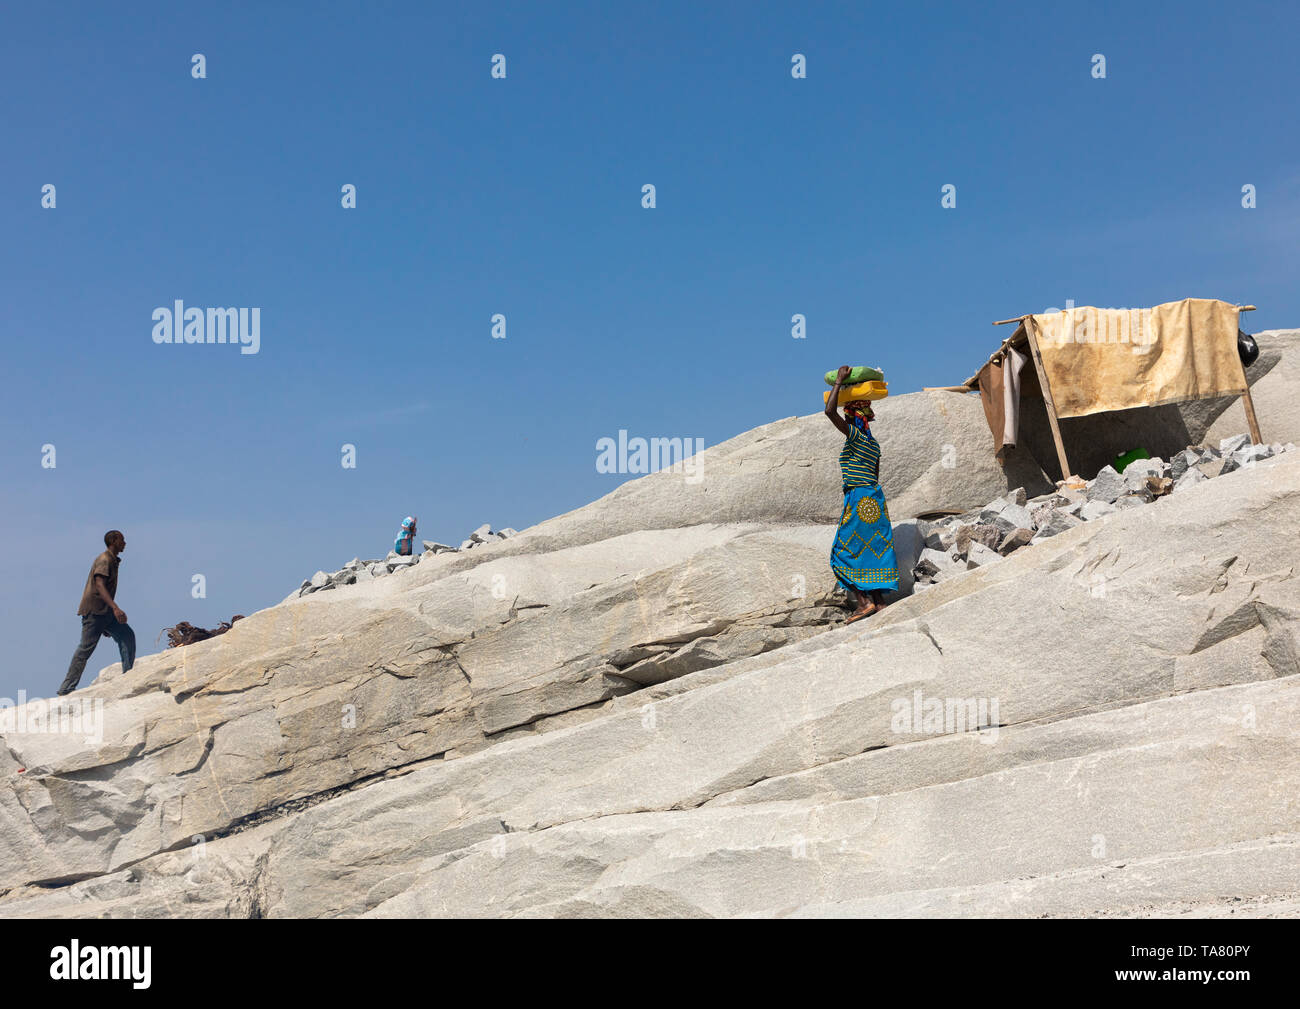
{"points": [[957, 543], [356, 570]]}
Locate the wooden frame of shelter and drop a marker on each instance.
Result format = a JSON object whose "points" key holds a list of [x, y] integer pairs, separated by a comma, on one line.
{"points": [[1026, 335]]}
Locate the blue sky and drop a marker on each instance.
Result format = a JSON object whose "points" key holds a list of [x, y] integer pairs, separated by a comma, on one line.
{"points": [[522, 196]]}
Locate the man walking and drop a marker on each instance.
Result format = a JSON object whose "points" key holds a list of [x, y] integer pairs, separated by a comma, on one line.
{"points": [[100, 615]]}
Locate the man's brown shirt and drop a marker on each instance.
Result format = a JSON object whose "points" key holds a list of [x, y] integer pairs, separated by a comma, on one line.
{"points": [[106, 565]]}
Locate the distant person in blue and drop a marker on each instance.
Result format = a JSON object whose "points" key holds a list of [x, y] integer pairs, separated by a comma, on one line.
{"points": [[862, 556], [404, 545]]}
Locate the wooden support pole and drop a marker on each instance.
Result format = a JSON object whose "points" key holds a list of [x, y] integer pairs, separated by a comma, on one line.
{"points": [[1246, 401], [948, 388], [1251, 419], [1031, 333]]}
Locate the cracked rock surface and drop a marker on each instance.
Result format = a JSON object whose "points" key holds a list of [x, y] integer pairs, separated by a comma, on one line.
{"points": [[595, 719]]}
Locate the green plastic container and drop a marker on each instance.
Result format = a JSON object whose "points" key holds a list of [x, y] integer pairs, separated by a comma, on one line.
{"points": [[856, 375], [1132, 455]]}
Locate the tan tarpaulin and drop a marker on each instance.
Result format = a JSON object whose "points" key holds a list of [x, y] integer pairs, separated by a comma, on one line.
{"points": [[1099, 359]]}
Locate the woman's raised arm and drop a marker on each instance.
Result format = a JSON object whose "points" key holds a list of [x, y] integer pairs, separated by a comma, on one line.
{"points": [[833, 402]]}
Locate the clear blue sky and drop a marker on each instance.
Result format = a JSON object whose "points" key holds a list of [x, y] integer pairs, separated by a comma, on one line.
{"points": [[522, 196]]}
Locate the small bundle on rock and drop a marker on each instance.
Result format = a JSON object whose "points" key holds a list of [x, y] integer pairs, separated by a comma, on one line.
{"points": [[357, 570], [977, 538], [186, 633]]}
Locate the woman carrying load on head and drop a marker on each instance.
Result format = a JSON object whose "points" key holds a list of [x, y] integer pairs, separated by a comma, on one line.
{"points": [[862, 556]]}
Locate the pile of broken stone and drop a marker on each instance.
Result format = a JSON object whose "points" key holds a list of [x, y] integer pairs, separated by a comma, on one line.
{"points": [[357, 570], [960, 542]]}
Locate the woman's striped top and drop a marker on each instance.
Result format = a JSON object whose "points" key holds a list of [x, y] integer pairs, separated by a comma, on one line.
{"points": [[860, 459]]}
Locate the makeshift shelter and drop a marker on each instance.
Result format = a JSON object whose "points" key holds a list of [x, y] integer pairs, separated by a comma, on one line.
{"points": [[1092, 360]]}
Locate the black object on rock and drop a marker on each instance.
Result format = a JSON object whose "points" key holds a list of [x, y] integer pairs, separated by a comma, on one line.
{"points": [[1247, 348], [186, 633]]}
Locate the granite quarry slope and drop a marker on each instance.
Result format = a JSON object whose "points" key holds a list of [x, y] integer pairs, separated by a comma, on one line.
{"points": [[646, 707]]}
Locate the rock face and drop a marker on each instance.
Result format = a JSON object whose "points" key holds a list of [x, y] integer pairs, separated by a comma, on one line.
{"points": [[595, 719], [1274, 380]]}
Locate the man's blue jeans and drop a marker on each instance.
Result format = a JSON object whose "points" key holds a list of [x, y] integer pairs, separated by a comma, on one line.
{"points": [[93, 625]]}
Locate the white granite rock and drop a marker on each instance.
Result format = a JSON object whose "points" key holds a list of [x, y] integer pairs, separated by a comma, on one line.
{"points": [[1095, 510], [1106, 486], [671, 721]]}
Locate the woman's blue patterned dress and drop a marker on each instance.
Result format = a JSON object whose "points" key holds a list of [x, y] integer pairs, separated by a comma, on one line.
{"points": [[862, 556]]}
